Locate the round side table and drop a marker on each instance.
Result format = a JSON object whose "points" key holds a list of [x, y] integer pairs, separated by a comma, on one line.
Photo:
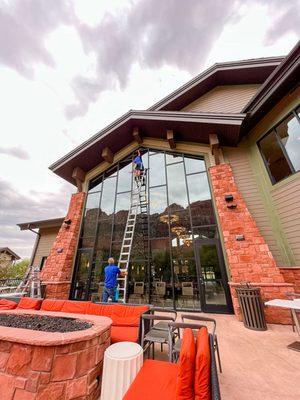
{"points": [[122, 362]]}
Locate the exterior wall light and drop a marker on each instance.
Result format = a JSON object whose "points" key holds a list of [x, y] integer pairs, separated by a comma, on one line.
{"points": [[240, 238], [228, 198]]}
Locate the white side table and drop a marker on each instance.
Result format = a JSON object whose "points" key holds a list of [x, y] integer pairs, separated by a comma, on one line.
{"points": [[122, 362]]}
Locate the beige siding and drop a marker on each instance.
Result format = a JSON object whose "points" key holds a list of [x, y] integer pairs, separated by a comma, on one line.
{"points": [[246, 183], [46, 241], [287, 204], [224, 99]]}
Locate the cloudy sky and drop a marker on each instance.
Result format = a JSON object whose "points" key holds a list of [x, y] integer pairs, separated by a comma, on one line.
{"points": [[68, 68]]}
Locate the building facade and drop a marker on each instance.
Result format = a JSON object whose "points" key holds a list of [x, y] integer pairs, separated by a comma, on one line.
{"points": [[45, 232], [7, 257], [222, 155]]}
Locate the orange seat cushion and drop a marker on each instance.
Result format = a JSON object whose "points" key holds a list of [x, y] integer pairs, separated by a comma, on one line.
{"points": [[202, 374], [124, 334], [124, 315], [27, 303], [78, 307], [7, 304], [99, 309], [156, 380], [52, 305], [186, 367]]}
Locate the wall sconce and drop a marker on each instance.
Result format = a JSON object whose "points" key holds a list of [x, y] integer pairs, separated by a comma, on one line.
{"points": [[67, 222], [240, 238], [231, 206], [228, 198]]}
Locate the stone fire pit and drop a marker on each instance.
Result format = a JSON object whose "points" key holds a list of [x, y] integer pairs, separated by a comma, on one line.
{"points": [[39, 365]]}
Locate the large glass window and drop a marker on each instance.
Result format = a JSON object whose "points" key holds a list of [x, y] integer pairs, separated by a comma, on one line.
{"points": [[163, 263], [280, 148]]}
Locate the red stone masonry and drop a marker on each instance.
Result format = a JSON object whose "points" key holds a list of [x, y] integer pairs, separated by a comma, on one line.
{"points": [[292, 275], [57, 272], [250, 260], [45, 365]]}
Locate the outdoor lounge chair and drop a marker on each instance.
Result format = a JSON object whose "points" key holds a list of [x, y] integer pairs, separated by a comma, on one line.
{"points": [[195, 375]]}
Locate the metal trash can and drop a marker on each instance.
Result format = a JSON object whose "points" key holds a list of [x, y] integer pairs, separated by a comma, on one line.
{"points": [[252, 307]]}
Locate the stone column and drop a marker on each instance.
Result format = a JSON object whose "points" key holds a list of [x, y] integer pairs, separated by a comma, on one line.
{"points": [[249, 260], [57, 271]]}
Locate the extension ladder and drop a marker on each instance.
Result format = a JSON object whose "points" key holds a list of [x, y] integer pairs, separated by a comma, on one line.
{"points": [[138, 200]]}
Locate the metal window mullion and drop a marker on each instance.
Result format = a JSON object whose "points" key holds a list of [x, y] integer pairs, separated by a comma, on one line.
{"points": [[113, 218], [170, 242], [95, 241]]}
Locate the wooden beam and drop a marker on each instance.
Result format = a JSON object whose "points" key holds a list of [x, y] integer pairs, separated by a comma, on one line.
{"points": [[171, 140], [137, 136], [79, 175], [108, 155], [214, 147]]}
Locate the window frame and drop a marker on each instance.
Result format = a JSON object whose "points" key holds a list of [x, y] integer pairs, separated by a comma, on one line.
{"points": [[273, 129]]}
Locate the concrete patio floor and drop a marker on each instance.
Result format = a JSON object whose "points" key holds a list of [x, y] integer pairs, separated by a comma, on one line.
{"points": [[256, 365]]}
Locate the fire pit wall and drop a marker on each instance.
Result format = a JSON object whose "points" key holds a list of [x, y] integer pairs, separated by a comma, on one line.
{"points": [[31, 371]]}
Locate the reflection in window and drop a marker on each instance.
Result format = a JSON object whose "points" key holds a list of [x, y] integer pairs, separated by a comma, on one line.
{"points": [[125, 177], [193, 165], [176, 186], [289, 133], [157, 169], [198, 187], [96, 184], [108, 196], [173, 158], [202, 213], [281, 148]]}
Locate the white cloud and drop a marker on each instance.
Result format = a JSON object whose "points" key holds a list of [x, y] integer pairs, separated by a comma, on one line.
{"points": [[103, 58]]}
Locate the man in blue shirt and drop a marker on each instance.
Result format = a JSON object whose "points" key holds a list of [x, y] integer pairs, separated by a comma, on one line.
{"points": [[138, 165], [111, 275]]}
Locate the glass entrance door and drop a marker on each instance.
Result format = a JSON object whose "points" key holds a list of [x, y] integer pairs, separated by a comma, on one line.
{"points": [[214, 290], [83, 271]]}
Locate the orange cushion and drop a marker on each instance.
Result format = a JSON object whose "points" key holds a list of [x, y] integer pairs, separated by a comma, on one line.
{"points": [[99, 309], [156, 380], [127, 315], [7, 304], [27, 303], [52, 305], [202, 374], [78, 307], [186, 367], [124, 334]]}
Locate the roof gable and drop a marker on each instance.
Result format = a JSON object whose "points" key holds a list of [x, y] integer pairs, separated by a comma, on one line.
{"points": [[224, 99], [9, 251], [254, 71]]}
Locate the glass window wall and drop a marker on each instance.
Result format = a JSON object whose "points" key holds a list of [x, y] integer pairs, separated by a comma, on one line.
{"points": [[163, 266]]}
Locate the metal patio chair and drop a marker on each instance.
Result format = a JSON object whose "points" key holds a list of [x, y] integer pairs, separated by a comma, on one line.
{"points": [[174, 333], [155, 333]]}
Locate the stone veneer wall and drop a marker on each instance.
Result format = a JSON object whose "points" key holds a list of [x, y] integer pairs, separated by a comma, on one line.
{"points": [[57, 271], [249, 260], [292, 275], [71, 371]]}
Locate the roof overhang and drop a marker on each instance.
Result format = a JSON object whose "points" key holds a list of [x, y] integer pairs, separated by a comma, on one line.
{"points": [[46, 223], [227, 73], [283, 79], [187, 126]]}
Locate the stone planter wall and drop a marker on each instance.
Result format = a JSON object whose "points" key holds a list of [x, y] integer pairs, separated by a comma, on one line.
{"points": [[36, 371]]}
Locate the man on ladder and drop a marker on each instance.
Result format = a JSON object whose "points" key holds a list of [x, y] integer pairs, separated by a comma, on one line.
{"points": [[138, 166]]}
